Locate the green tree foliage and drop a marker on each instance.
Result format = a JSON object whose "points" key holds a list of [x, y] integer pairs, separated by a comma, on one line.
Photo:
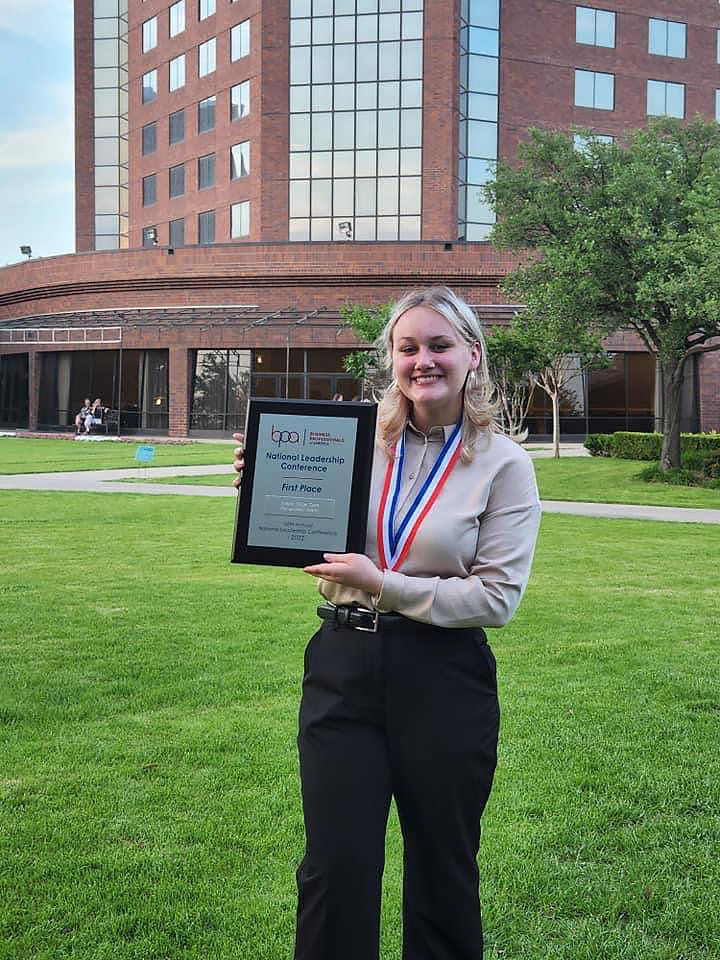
{"points": [[618, 236], [367, 323], [513, 364]]}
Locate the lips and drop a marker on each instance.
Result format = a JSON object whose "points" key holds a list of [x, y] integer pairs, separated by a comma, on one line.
{"points": [[427, 378]]}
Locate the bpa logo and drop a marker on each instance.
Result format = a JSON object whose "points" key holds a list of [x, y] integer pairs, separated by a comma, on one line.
{"points": [[283, 436]]}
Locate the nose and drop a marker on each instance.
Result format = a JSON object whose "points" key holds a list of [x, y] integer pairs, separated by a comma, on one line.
{"points": [[424, 359]]}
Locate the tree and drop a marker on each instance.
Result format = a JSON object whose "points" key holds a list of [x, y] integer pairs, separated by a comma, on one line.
{"points": [[368, 324], [513, 363], [616, 236]]}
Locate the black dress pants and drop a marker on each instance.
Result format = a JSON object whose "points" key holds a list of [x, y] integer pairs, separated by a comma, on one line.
{"points": [[411, 712]]}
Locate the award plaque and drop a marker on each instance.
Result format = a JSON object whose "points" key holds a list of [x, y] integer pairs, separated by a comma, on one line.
{"points": [[306, 482]]}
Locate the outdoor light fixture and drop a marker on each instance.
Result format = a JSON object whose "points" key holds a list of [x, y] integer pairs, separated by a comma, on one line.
{"points": [[26, 250], [345, 228]]}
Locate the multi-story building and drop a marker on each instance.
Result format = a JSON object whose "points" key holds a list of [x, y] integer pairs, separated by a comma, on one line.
{"points": [[246, 167]]}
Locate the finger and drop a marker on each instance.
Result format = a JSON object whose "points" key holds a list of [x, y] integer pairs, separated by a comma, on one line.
{"points": [[238, 451], [239, 436], [237, 481]]}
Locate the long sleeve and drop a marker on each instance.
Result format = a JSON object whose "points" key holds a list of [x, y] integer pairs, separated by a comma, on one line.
{"points": [[489, 595]]}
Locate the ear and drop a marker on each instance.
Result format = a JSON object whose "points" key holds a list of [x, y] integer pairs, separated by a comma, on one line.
{"points": [[475, 355]]}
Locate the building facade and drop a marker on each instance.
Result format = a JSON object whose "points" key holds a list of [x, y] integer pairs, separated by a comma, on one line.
{"points": [[246, 167]]}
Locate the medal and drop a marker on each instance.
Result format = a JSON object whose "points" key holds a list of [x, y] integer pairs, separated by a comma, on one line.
{"points": [[393, 547]]}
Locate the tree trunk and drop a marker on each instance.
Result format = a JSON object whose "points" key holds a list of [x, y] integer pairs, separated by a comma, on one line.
{"points": [[555, 397], [672, 387]]}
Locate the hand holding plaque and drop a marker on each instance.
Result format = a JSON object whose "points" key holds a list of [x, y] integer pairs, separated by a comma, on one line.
{"points": [[306, 481]]}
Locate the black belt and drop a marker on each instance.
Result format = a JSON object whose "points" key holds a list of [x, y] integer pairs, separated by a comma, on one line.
{"points": [[358, 618]]}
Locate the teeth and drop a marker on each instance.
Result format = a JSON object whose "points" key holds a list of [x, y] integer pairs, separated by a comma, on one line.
{"points": [[427, 379]]}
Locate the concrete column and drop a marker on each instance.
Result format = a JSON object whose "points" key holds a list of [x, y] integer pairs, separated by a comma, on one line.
{"points": [[33, 388]]}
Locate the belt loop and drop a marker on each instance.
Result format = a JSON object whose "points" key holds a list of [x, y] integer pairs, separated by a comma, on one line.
{"points": [[342, 616]]}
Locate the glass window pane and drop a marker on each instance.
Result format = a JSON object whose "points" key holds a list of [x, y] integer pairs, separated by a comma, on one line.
{"points": [[344, 131], [320, 229], [344, 94], [300, 8], [604, 28], [343, 163], [299, 230], [388, 163], [484, 41], [584, 25], [367, 96], [604, 91], [149, 138], [107, 53], [300, 65], [388, 195], [655, 98], [106, 103], [389, 94], [367, 28], [240, 160], [366, 162], [107, 151], [365, 199], [240, 219], [410, 194], [482, 106], [484, 13], [299, 166], [675, 100], [149, 191], [300, 131], [344, 29], [409, 228], [107, 199], [177, 126], [321, 131], [206, 227], [412, 26], [177, 18], [206, 171], [322, 60], [299, 32], [177, 180], [483, 74], [149, 87], [345, 63], [343, 197], [320, 193], [322, 97], [300, 198], [299, 99], [584, 88], [322, 30], [389, 128], [206, 115], [390, 60], [365, 228], [657, 37], [366, 130], [676, 39], [367, 54], [411, 93], [389, 26], [321, 164], [107, 225], [387, 228], [411, 128], [240, 100], [410, 162]]}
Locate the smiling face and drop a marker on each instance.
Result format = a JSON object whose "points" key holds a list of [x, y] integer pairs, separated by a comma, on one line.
{"points": [[431, 362]]}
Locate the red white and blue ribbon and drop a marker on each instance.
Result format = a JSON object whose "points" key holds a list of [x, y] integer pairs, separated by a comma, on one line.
{"points": [[393, 547]]}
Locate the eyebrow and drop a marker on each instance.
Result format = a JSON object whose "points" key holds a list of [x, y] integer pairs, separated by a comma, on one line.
{"points": [[440, 336]]}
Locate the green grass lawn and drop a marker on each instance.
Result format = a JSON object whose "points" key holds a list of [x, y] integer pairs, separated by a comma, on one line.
{"points": [[37, 455], [590, 479], [149, 803]]}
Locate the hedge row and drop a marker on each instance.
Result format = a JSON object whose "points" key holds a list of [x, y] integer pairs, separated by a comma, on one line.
{"points": [[645, 446]]}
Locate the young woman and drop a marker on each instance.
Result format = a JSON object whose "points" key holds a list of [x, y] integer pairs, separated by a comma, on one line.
{"points": [[399, 693]]}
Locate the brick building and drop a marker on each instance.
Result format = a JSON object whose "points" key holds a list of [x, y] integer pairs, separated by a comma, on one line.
{"points": [[245, 167]]}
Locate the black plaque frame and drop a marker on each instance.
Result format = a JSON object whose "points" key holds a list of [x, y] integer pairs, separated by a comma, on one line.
{"points": [[365, 415]]}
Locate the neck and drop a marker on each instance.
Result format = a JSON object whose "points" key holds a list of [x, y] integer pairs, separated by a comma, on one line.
{"points": [[425, 419]]}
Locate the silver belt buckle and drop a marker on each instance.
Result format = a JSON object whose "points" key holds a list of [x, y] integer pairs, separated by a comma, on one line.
{"points": [[376, 620]]}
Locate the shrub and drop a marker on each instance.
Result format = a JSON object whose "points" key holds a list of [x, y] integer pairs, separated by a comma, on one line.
{"points": [[599, 444], [646, 446], [700, 468]]}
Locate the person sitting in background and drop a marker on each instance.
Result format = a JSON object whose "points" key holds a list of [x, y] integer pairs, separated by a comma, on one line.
{"points": [[94, 415], [85, 409]]}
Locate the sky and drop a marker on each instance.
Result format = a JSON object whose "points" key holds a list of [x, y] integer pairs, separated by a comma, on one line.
{"points": [[36, 128]]}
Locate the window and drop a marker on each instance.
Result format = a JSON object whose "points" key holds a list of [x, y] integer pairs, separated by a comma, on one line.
{"points": [[206, 171], [149, 86], [717, 54], [177, 72], [206, 227], [149, 236], [240, 219], [596, 27], [240, 40], [149, 190], [582, 142], [149, 138], [177, 18], [666, 38], [240, 100], [717, 105], [596, 90], [206, 57], [177, 232], [176, 127], [665, 99], [149, 34], [177, 180], [206, 115], [207, 8], [240, 160]]}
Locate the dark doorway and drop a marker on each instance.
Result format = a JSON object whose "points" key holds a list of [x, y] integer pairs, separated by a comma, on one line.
{"points": [[14, 390]]}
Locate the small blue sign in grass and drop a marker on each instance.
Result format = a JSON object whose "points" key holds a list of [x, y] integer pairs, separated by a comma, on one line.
{"points": [[145, 453]]}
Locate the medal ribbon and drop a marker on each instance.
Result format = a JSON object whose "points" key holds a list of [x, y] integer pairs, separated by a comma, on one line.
{"points": [[394, 547]]}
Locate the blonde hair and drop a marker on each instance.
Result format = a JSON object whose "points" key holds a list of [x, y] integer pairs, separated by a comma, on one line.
{"points": [[479, 408]]}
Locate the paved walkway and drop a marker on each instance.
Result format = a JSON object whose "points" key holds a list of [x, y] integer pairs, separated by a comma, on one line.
{"points": [[108, 481]]}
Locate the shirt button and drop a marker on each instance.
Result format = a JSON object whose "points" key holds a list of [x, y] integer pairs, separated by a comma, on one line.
{"points": [[412, 476]]}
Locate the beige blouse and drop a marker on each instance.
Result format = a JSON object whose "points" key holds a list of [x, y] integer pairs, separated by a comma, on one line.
{"points": [[470, 561]]}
